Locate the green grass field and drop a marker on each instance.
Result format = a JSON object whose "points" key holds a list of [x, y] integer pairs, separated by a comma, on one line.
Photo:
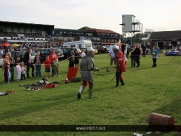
{"points": [[146, 90]]}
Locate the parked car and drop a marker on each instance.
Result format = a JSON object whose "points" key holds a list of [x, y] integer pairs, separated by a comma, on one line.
{"points": [[47, 51], [102, 49], [65, 52], [18, 55]]}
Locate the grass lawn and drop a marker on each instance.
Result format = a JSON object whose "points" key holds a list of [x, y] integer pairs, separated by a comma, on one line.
{"points": [[146, 90]]}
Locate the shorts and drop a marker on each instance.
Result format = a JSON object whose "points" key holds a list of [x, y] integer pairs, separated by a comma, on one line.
{"points": [[47, 69], [76, 61]]}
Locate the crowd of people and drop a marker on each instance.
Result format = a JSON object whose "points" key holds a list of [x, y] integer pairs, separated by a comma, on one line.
{"points": [[118, 55], [22, 68]]}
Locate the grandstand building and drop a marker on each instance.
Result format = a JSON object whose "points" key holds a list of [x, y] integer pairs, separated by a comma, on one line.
{"points": [[97, 36], [15, 32]]}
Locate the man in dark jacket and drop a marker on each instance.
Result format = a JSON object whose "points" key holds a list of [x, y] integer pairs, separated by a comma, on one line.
{"points": [[71, 56], [28, 62]]}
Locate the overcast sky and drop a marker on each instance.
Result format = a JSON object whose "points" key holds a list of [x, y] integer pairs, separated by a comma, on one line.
{"points": [[159, 15]]}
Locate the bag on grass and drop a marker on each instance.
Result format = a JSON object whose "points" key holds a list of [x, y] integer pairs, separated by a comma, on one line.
{"points": [[76, 79]]}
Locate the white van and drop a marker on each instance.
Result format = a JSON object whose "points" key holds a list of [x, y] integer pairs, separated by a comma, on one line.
{"points": [[78, 44]]}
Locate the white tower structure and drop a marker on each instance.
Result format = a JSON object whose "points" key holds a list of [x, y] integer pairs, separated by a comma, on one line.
{"points": [[130, 25]]}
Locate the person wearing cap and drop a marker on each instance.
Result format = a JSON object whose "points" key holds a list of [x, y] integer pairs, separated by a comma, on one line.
{"points": [[86, 66], [53, 57], [120, 65]]}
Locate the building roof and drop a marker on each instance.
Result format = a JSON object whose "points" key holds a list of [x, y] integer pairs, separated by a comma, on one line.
{"points": [[68, 30], [166, 35], [98, 30], [105, 31], [20, 24]]}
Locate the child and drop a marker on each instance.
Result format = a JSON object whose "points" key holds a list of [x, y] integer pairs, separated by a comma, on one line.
{"points": [[47, 64], [155, 54], [55, 67], [22, 71], [18, 70]]}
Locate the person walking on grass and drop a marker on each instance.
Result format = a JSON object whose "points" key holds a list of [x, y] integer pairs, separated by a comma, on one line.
{"points": [[120, 65], [86, 66], [154, 56]]}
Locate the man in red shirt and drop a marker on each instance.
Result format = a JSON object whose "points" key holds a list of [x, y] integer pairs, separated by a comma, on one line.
{"points": [[52, 58], [120, 65]]}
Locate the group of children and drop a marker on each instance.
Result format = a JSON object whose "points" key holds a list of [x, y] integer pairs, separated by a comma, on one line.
{"points": [[20, 70], [48, 64]]}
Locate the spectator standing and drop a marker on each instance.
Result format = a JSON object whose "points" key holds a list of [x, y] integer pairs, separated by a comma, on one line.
{"points": [[18, 71], [133, 56], [6, 50], [112, 56], [143, 46], [124, 51], [154, 56], [12, 63], [28, 62], [71, 56], [23, 71], [47, 64], [38, 61], [53, 58], [77, 56], [55, 67], [6, 69], [137, 54], [1, 52]]}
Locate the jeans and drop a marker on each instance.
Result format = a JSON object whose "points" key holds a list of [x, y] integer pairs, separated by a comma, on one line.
{"points": [[38, 70], [12, 73]]}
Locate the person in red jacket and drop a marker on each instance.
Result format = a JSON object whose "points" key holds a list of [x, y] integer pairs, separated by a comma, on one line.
{"points": [[47, 64], [120, 62], [53, 57]]}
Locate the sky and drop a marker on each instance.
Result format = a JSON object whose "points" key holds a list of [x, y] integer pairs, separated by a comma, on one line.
{"points": [[159, 15]]}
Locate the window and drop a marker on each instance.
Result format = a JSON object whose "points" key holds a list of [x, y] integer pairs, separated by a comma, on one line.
{"points": [[87, 45]]}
